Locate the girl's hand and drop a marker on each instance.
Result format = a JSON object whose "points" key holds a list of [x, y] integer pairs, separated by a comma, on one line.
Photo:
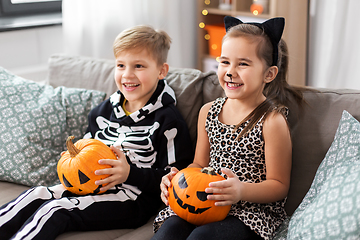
{"points": [[225, 192], [119, 171], [166, 183]]}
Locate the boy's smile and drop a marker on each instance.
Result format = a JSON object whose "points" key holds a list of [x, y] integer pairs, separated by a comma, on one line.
{"points": [[137, 74], [130, 86]]}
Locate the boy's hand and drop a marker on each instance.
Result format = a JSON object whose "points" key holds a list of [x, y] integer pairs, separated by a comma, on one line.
{"points": [[227, 191], [166, 183], [119, 171]]}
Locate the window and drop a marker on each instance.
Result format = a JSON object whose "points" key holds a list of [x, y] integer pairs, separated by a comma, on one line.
{"points": [[26, 7], [24, 14]]}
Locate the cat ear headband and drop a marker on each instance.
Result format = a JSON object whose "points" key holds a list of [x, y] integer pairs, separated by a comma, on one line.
{"points": [[273, 28]]}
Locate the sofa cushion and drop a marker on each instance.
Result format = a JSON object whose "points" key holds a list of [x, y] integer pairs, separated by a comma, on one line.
{"points": [[10, 191], [82, 72], [212, 88], [187, 84], [313, 131], [35, 120], [330, 209]]}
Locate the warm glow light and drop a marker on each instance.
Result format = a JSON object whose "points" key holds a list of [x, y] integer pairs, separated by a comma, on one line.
{"points": [[217, 59], [256, 9], [207, 2], [207, 36], [204, 12], [201, 25], [214, 46]]}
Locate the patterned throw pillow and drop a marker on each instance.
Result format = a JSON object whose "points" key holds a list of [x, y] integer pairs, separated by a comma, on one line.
{"points": [[35, 120], [282, 230], [331, 207]]}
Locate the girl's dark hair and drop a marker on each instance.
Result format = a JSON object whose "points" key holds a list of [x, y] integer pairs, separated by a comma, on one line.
{"points": [[278, 92]]}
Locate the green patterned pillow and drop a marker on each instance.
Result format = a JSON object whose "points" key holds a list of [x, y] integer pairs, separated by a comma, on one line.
{"points": [[282, 230], [35, 120], [331, 207]]}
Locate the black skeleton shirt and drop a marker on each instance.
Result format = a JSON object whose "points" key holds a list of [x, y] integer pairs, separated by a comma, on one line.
{"points": [[153, 138]]}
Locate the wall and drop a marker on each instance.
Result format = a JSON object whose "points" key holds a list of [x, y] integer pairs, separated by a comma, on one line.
{"points": [[25, 52]]}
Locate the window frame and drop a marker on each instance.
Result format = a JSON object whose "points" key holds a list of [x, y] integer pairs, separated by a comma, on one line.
{"points": [[7, 8]]}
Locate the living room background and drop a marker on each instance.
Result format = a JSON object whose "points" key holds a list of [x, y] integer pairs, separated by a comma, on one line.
{"points": [[332, 56]]}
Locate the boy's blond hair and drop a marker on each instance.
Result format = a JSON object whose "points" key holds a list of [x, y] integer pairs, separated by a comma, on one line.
{"points": [[156, 42]]}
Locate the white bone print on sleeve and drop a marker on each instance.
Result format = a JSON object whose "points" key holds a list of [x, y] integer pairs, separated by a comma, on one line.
{"points": [[170, 135]]}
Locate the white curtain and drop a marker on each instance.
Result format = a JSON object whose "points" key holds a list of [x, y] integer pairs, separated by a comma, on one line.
{"points": [[90, 26], [334, 44]]}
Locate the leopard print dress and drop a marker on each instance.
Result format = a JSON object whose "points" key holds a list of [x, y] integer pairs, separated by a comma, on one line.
{"points": [[245, 157]]}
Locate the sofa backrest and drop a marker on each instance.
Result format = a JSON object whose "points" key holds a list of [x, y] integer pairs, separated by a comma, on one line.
{"points": [[98, 74], [81, 72], [312, 130]]}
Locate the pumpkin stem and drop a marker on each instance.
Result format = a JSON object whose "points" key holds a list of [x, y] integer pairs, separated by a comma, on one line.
{"points": [[71, 147], [209, 170]]}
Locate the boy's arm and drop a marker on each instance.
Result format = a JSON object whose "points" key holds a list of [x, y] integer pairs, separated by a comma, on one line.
{"points": [[174, 148]]}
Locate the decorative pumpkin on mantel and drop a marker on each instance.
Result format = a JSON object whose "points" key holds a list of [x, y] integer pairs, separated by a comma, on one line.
{"points": [[76, 167], [187, 197]]}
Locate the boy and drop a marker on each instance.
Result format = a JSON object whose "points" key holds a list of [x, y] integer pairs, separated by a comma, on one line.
{"points": [[143, 128]]}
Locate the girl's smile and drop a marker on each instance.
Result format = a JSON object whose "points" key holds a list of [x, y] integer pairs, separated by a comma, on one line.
{"points": [[241, 72], [232, 85]]}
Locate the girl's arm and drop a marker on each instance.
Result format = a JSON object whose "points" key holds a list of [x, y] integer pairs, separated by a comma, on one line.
{"points": [[278, 152]]}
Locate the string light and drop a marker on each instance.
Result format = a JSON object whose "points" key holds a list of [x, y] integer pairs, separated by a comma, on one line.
{"points": [[256, 9], [207, 2], [201, 25], [259, 6], [204, 12], [207, 36]]}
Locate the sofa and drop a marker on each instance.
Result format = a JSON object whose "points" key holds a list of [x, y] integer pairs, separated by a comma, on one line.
{"points": [[313, 129]]}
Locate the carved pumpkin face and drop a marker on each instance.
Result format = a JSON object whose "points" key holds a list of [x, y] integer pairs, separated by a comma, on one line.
{"points": [[76, 167], [187, 197]]}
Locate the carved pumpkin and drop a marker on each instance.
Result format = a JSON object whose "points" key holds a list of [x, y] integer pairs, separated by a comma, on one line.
{"points": [[187, 197], [76, 167]]}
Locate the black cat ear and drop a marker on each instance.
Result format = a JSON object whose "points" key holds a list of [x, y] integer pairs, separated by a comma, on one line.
{"points": [[230, 22], [274, 28]]}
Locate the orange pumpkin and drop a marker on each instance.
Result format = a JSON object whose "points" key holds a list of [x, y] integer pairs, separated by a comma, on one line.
{"points": [[187, 197], [76, 167]]}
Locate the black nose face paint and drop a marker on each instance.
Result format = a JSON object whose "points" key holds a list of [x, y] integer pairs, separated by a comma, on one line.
{"points": [[230, 76]]}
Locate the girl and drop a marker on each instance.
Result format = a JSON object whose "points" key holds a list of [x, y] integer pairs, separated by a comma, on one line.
{"points": [[244, 136]]}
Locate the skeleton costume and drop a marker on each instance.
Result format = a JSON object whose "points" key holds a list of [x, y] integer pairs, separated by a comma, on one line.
{"points": [[153, 138]]}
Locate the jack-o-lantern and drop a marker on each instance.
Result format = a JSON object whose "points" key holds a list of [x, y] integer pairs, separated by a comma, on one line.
{"points": [[187, 197], [76, 167]]}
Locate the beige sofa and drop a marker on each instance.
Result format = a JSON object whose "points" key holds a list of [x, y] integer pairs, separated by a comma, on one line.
{"points": [[312, 130]]}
